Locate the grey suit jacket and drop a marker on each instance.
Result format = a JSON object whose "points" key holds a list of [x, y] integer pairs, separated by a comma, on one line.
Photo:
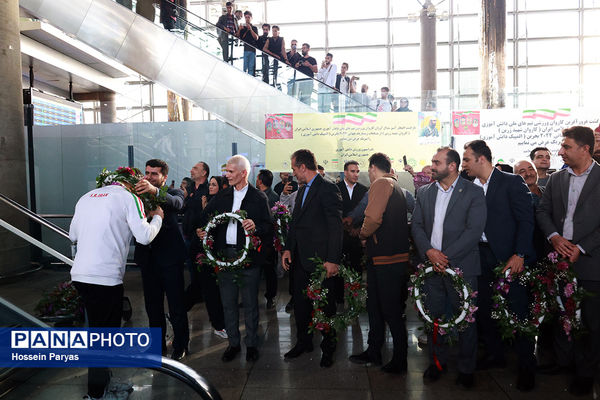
{"points": [[586, 221], [464, 223]]}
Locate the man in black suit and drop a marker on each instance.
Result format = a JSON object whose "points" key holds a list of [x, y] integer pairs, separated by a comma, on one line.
{"points": [[229, 240], [447, 224], [162, 262], [507, 238], [315, 231], [352, 193], [568, 216]]}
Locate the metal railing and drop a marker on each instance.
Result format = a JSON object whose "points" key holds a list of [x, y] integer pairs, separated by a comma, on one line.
{"points": [[36, 217]]}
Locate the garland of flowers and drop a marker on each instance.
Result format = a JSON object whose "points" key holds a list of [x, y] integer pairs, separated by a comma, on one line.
{"points": [[355, 295], [566, 287], [218, 262], [131, 176], [464, 315], [62, 301], [282, 217], [509, 324]]}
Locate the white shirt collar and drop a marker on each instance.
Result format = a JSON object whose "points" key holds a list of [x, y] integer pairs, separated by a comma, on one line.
{"points": [[488, 179], [242, 190], [587, 171], [450, 188], [348, 185]]}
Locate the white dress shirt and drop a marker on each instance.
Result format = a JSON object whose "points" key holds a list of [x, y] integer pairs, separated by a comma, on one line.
{"points": [[349, 188], [441, 205], [238, 196], [485, 188]]}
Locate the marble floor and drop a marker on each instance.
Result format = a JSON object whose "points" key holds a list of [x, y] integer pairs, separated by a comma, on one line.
{"points": [[271, 377]]}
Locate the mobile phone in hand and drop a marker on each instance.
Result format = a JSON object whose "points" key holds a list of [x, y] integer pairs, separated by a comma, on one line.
{"points": [[404, 159]]}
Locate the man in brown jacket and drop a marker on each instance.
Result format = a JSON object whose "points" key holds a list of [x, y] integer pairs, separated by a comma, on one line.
{"points": [[385, 230]]}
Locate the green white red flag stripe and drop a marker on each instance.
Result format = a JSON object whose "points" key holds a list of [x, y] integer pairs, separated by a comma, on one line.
{"points": [[355, 119], [547, 113]]}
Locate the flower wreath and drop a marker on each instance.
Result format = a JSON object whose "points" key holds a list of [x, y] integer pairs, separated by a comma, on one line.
{"points": [[218, 262], [509, 324], [355, 295], [566, 287], [466, 295], [132, 176], [282, 217]]}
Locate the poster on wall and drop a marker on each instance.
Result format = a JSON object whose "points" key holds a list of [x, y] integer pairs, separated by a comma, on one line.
{"points": [[339, 137], [465, 122], [513, 133]]}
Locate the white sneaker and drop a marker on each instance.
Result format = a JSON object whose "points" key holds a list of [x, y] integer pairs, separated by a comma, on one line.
{"points": [[222, 334]]}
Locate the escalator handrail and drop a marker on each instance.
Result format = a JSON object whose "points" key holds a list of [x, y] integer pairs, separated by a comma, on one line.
{"points": [[230, 36], [36, 217]]}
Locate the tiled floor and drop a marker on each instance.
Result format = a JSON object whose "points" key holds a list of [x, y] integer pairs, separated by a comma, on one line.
{"points": [[271, 377]]}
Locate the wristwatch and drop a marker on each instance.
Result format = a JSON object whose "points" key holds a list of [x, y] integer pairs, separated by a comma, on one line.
{"points": [[521, 255]]}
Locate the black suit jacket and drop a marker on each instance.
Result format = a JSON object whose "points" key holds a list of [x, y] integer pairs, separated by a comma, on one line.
{"points": [[358, 193], [256, 206], [316, 227], [168, 246], [510, 220]]}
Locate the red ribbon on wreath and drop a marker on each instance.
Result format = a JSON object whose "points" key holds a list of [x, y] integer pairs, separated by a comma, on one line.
{"points": [[436, 327]]}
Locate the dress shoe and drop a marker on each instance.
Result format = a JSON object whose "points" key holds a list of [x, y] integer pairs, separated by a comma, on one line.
{"points": [[464, 380], [326, 360], [366, 358], [230, 353], [251, 354], [298, 350], [553, 369], [270, 304], [432, 373], [178, 355], [394, 367], [581, 386], [489, 363], [525, 380]]}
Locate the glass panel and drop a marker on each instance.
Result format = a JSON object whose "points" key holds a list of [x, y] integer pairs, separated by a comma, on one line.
{"points": [[355, 9], [590, 50], [361, 60], [466, 82], [407, 84], [549, 24], [591, 79], [466, 28], [404, 8], [375, 82], [467, 6], [442, 31], [443, 56], [313, 34], [357, 33], [406, 58], [257, 10], [443, 82], [280, 11], [560, 51], [546, 4], [590, 22], [466, 55], [406, 32], [545, 78]]}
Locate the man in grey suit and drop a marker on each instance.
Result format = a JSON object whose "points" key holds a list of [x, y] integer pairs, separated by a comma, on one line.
{"points": [[568, 216], [447, 223]]}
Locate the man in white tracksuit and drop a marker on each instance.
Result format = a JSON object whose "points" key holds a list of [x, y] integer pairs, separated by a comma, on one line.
{"points": [[105, 220]]}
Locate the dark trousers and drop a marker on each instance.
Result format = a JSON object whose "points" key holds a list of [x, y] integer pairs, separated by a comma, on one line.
{"points": [[587, 345], [352, 250], [270, 271], [265, 68], [104, 308], [518, 303], [157, 281], [441, 298], [212, 297], [249, 279], [303, 308], [386, 301]]}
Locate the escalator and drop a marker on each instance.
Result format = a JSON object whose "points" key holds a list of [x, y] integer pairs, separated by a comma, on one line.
{"points": [[187, 61], [12, 316]]}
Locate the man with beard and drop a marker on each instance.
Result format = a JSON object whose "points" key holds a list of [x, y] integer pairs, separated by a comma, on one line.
{"points": [[308, 66], [569, 218], [448, 221]]}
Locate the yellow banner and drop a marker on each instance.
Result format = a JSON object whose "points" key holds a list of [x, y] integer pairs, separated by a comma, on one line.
{"points": [[339, 137]]}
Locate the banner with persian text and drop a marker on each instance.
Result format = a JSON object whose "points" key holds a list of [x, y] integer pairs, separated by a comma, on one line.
{"points": [[512, 133], [339, 137]]}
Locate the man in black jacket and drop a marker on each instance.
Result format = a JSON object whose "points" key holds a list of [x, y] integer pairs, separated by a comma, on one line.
{"points": [[315, 231], [161, 262], [352, 193], [264, 181], [229, 240]]}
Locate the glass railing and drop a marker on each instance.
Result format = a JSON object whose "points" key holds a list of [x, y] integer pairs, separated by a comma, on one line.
{"points": [[319, 96]]}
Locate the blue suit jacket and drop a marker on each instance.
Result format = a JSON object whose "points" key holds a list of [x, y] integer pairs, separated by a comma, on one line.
{"points": [[510, 218]]}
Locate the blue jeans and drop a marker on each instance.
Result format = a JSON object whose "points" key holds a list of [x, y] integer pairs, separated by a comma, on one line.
{"points": [[250, 62]]}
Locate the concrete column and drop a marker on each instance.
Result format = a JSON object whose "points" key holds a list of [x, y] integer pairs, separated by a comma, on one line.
{"points": [[428, 58], [14, 252], [492, 50]]}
